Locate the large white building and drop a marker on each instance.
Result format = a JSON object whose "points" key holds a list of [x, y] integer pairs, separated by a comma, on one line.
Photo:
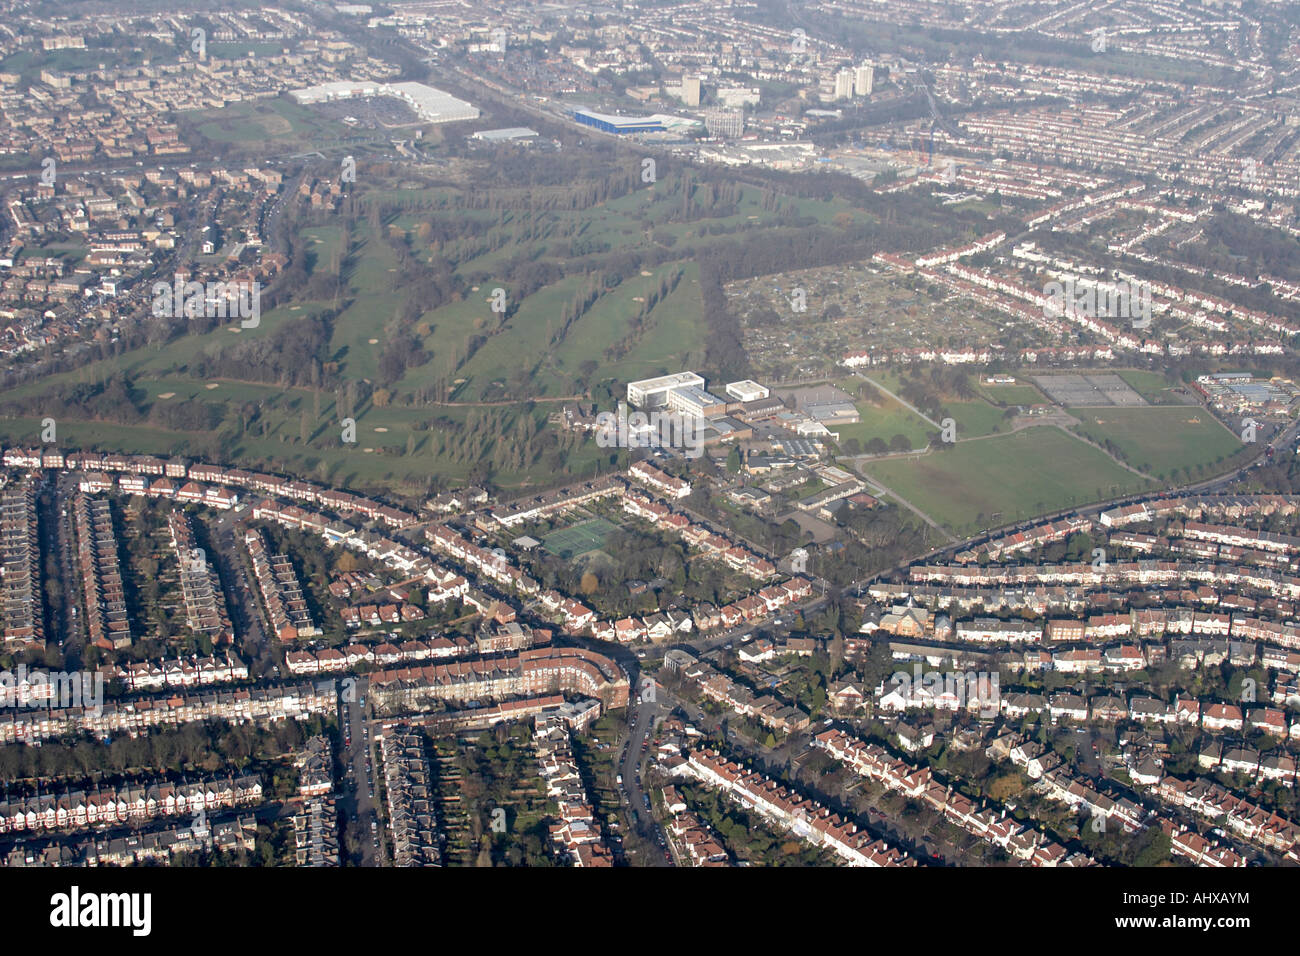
{"points": [[691, 90], [693, 400], [653, 392], [864, 78], [430, 104], [747, 391], [725, 122], [737, 96], [844, 85]]}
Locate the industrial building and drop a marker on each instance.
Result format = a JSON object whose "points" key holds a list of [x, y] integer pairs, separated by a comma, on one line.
{"points": [[511, 134], [619, 125], [622, 125], [430, 105]]}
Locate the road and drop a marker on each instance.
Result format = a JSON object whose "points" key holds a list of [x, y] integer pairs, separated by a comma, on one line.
{"points": [[226, 536], [642, 717], [357, 799], [54, 506]]}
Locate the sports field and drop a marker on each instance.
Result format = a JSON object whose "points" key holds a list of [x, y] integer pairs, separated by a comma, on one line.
{"points": [[1016, 476], [884, 421], [1167, 441], [579, 539], [1022, 393], [1155, 388], [975, 418]]}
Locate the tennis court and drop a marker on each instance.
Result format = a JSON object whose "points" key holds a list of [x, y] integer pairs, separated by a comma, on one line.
{"points": [[579, 539]]}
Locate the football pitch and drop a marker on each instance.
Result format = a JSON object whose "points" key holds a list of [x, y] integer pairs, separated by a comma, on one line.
{"points": [[579, 539]]}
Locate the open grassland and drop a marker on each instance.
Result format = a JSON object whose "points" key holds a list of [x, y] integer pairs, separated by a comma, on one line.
{"points": [[1155, 388], [1018, 394], [1018, 475], [1169, 442], [884, 421], [277, 123], [976, 418]]}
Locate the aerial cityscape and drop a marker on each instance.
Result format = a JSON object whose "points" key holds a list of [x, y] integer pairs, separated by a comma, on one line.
{"points": [[637, 433]]}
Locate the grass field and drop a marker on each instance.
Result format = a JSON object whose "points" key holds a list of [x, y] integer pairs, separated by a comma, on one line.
{"points": [[579, 539], [1154, 387], [1016, 394], [884, 421], [1030, 472], [1162, 441], [277, 123], [976, 418]]}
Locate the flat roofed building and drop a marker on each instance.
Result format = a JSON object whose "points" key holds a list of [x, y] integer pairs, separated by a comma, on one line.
{"points": [[510, 134], [691, 89], [695, 401], [747, 391], [725, 122], [653, 392], [864, 80], [619, 124], [726, 429], [833, 413], [430, 104]]}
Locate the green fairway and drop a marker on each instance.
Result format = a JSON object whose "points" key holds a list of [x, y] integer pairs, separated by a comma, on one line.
{"points": [[1020, 475], [521, 344], [1170, 442], [408, 269]]}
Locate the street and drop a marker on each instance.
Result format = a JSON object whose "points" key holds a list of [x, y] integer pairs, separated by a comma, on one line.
{"points": [[357, 796]]}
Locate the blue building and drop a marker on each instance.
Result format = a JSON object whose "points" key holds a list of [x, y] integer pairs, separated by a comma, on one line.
{"points": [[619, 124]]}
